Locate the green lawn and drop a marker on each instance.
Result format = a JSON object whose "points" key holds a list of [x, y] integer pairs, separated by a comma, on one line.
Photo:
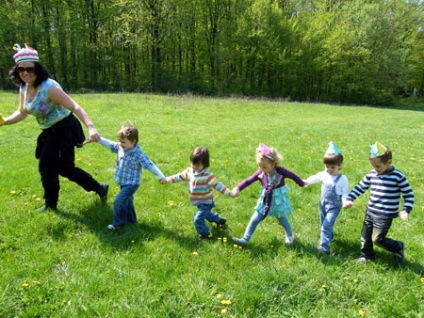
{"points": [[67, 264]]}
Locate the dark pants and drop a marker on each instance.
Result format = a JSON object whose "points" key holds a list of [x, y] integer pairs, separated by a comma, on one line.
{"points": [[56, 154], [374, 231]]}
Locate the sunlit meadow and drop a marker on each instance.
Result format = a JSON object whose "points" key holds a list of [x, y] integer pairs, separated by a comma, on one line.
{"points": [[68, 264]]}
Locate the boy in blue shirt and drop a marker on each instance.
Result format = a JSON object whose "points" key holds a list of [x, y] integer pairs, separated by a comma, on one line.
{"points": [[131, 161]]}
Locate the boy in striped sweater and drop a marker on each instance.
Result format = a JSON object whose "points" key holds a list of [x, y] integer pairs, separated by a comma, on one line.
{"points": [[201, 183], [386, 185]]}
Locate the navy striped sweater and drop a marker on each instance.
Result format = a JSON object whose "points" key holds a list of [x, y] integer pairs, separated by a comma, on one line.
{"points": [[385, 192]]}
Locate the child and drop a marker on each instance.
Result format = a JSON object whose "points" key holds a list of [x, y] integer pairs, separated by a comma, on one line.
{"points": [[131, 161], [273, 199], [334, 190], [200, 184], [386, 185]]}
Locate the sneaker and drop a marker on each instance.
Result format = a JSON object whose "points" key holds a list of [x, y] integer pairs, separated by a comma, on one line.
{"points": [[102, 192], [46, 207], [322, 251], [289, 239], [221, 222], [112, 227], [398, 256], [239, 241], [361, 260]]}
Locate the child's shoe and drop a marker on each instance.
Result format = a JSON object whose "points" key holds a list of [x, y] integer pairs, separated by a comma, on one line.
{"points": [[239, 241], [289, 239], [112, 227], [221, 222], [322, 251], [399, 255]]}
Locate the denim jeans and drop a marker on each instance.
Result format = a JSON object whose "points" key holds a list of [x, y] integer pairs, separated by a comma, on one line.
{"points": [[257, 218], [123, 206], [374, 230], [328, 213], [204, 213]]}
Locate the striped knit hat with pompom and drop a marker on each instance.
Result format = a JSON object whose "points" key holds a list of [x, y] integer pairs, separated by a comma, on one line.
{"points": [[26, 54]]}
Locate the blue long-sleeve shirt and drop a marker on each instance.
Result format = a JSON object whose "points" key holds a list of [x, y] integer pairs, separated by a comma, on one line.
{"points": [[130, 163]]}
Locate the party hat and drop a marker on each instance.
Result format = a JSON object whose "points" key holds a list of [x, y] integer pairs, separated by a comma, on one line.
{"points": [[263, 150], [332, 149], [378, 149]]}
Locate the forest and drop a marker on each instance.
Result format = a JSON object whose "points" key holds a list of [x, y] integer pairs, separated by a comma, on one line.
{"points": [[336, 51]]}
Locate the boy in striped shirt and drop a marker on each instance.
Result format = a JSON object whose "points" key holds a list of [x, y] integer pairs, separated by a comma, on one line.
{"points": [[201, 183], [386, 185]]}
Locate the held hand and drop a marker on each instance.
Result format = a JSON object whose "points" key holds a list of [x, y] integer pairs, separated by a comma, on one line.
{"points": [[233, 194], [94, 134], [305, 183], [235, 191], [404, 215], [347, 204], [162, 181]]}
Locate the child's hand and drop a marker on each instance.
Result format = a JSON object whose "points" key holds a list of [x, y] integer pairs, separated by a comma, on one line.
{"points": [[404, 215], [306, 183], [347, 204], [235, 192], [162, 181]]}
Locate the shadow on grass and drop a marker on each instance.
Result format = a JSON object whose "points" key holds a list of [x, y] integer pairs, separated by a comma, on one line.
{"points": [[97, 216]]}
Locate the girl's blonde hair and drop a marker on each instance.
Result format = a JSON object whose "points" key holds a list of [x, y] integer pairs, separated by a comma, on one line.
{"points": [[273, 157]]}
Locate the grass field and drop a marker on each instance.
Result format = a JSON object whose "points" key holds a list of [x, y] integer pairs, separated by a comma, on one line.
{"points": [[68, 264]]}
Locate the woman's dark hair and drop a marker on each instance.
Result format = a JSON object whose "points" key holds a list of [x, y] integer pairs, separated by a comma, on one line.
{"points": [[40, 71], [200, 154]]}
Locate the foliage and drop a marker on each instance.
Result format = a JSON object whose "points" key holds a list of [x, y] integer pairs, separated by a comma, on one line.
{"points": [[67, 264], [355, 51]]}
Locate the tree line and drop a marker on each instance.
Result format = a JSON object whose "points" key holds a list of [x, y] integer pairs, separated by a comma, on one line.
{"points": [[342, 51]]}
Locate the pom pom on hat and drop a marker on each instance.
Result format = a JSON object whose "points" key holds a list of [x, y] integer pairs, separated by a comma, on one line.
{"points": [[332, 149], [378, 149], [26, 54]]}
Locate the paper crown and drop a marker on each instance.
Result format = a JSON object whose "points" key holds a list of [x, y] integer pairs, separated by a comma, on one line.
{"points": [[263, 150], [26, 54], [378, 149], [332, 149]]}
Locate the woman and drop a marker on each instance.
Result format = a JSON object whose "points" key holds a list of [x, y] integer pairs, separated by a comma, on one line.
{"points": [[54, 111]]}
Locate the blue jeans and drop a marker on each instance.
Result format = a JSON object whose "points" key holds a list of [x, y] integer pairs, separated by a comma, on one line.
{"points": [[123, 206], [257, 218], [204, 213], [374, 230], [328, 214]]}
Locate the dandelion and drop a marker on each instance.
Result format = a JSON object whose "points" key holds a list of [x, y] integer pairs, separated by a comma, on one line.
{"points": [[195, 253], [38, 199], [132, 241], [219, 296], [355, 281], [219, 238], [25, 284], [422, 280], [13, 192], [346, 278], [224, 240], [224, 311], [171, 203], [361, 313], [225, 302]]}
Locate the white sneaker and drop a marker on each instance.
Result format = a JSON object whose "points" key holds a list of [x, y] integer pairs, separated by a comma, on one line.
{"points": [[111, 227], [289, 239]]}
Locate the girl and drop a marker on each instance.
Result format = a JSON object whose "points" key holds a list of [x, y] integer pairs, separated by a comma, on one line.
{"points": [[273, 199]]}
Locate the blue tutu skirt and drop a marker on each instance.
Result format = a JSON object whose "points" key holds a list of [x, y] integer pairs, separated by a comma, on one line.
{"points": [[280, 204]]}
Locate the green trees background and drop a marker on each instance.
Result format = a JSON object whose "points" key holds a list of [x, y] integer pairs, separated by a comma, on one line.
{"points": [[343, 51]]}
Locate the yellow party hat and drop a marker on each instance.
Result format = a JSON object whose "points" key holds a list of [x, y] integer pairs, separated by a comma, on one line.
{"points": [[378, 149]]}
